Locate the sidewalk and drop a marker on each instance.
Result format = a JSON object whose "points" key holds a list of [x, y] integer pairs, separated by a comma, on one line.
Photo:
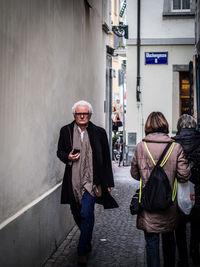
{"points": [[116, 240]]}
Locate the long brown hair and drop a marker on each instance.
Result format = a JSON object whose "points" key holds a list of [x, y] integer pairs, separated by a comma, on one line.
{"points": [[156, 122]]}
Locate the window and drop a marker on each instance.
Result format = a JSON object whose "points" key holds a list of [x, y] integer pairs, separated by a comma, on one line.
{"points": [[179, 8], [180, 5]]}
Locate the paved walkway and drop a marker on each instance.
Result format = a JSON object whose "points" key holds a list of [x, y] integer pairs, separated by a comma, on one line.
{"points": [[116, 241]]}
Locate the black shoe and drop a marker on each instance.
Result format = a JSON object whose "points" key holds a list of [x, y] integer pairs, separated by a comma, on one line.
{"points": [[196, 259], [182, 264], [89, 248], [82, 259]]}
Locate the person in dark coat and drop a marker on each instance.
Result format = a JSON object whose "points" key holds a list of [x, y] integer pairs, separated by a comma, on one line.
{"points": [[189, 138], [88, 176]]}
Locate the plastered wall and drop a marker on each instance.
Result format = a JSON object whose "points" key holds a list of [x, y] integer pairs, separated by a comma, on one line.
{"points": [[52, 54]]}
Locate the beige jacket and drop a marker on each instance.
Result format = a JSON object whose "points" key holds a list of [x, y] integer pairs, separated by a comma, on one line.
{"points": [[176, 166]]}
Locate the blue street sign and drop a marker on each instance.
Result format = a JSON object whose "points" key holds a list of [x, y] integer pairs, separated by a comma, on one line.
{"points": [[156, 57]]}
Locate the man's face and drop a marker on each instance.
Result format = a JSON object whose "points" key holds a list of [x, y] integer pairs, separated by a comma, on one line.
{"points": [[82, 115]]}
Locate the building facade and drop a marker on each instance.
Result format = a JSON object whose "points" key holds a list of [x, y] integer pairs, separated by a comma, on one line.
{"points": [[119, 44], [53, 53], [196, 65], [159, 50], [197, 27]]}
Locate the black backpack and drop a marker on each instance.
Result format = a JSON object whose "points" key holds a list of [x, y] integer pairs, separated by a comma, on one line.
{"points": [[157, 194]]}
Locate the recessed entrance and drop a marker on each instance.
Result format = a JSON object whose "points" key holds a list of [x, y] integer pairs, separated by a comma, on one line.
{"points": [[184, 96]]}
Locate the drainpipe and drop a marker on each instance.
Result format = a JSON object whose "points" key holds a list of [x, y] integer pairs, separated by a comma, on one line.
{"points": [[138, 92], [191, 88], [110, 109], [197, 63]]}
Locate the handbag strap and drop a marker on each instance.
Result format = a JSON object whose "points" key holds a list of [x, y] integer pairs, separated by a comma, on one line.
{"points": [[164, 156]]}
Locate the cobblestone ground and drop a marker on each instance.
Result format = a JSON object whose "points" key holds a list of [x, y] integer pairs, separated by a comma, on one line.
{"points": [[116, 240]]}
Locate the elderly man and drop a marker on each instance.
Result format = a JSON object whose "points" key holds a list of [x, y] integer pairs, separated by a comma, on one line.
{"points": [[88, 176]]}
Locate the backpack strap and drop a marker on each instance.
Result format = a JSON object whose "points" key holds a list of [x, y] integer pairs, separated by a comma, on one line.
{"points": [[162, 160], [174, 190], [140, 193], [149, 153], [165, 155]]}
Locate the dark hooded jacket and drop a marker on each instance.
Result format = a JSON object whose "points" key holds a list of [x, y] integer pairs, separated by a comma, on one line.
{"points": [[102, 169], [189, 139]]}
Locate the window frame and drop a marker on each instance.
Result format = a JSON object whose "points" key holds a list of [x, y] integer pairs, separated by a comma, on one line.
{"points": [[178, 13], [180, 9]]}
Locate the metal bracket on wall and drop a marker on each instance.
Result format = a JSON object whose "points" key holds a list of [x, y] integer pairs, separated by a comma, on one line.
{"points": [[121, 30]]}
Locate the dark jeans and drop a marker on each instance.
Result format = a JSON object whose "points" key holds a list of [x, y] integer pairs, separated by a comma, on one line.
{"points": [[84, 218], [152, 249]]}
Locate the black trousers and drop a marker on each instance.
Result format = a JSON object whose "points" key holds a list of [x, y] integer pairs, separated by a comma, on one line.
{"points": [[169, 249], [195, 233], [181, 240]]}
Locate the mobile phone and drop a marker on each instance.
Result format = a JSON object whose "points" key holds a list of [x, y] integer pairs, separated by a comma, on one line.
{"points": [[76, 150]]}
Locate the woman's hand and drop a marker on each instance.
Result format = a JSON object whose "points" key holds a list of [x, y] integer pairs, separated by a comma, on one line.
{"points": [[109, 189]]}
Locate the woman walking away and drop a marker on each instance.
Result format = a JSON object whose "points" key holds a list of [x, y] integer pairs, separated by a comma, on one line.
{"points": [[189, 138], [155, 222]]}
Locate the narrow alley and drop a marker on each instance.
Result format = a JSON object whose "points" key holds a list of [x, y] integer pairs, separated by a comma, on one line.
{"points": [[126, 59], [116, 241]]}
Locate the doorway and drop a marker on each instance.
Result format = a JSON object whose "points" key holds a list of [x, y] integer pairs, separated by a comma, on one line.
{"points": [[108, 93], [184, 95]]}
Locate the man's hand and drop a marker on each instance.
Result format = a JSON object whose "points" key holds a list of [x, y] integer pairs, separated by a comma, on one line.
{"points": [[74, 157]]}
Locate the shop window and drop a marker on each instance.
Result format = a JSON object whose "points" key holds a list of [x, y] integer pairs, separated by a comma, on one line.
{"points": [[184, 107]]}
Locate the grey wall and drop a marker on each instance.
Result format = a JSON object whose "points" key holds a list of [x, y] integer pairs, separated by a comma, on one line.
{"points": [[52, 53], [30, 238]]}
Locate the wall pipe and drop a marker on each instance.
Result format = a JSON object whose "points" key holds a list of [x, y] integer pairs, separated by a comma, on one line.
{"points": [[138, 52]]}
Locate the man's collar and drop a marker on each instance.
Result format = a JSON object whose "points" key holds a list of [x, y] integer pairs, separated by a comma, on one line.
{"points": [[80, 128]]}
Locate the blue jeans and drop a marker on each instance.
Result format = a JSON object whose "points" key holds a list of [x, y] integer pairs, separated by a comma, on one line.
{"points": [[152, 249], [84, 218]]}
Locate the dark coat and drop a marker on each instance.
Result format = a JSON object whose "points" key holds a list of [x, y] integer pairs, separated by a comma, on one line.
{"points": [[189, 139], [102, 169]]}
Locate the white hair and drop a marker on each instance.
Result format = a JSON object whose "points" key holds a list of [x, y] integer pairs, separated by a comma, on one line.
{"points": [[82, 103]]}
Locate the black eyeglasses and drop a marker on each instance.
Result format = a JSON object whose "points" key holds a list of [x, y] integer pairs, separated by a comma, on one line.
{"points": [[82, 114]]}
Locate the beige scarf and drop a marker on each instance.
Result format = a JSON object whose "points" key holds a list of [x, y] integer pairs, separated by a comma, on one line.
{"points": [[82, 169]]}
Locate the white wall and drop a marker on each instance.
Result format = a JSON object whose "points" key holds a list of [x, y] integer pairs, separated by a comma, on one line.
{"points": [[52, 54], [156, 85], [154, 25]]}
